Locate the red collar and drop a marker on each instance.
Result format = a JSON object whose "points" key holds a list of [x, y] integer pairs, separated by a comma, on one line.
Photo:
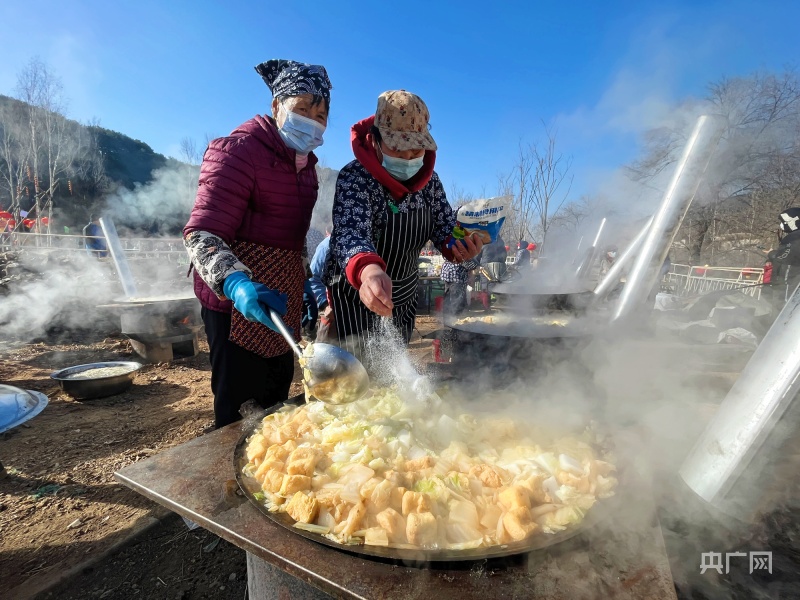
{"points": [[361, 139]]}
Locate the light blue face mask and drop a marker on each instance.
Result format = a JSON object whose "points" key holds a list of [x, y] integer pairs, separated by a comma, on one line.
{"points": [[301, 133], [402, 169]]}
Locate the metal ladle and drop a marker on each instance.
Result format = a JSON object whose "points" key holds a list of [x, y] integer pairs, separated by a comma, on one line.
{"points": [[337, 377]]}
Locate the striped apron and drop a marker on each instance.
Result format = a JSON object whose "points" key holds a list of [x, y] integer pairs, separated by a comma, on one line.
{"points": [[399, 245]]}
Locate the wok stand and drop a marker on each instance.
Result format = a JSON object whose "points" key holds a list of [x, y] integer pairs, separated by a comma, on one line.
{"points": [[160, 330], [621, 558]]}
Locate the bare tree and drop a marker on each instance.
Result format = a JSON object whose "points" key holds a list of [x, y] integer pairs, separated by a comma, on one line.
{"points": [[754, 175], [458, 196], [190, 152], [540, 184], [90, 168], [54, 142], [551, 184], [14, 154]]}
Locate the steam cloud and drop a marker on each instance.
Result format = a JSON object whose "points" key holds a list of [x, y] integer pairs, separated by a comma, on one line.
{"points": [[161, 206]]}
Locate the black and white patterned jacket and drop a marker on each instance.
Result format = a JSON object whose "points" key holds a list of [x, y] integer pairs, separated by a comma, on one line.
{"points": [[360, 209]]}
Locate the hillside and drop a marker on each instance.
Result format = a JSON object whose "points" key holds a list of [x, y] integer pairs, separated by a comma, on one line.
{"points": [[98, 162]]}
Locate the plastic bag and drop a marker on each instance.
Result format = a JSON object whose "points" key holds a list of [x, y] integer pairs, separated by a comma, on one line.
{"points": [[482, 217]]}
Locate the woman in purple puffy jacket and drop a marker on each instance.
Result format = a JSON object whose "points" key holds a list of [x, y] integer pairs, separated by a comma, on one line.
{"points": [[246, 234]]}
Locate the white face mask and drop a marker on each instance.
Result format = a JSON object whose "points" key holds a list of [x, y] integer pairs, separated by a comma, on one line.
{"points": [[402, 169], [300, 133]]}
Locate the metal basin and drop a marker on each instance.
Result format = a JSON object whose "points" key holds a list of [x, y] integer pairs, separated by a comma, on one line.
{"points": [[97, 387], [18, 405]]}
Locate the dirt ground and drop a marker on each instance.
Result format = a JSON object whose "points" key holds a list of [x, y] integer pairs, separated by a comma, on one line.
{"points": [[60, 506]]}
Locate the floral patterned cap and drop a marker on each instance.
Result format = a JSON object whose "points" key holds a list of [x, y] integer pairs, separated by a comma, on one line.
{"points": [[291, 78], [402, 118]]}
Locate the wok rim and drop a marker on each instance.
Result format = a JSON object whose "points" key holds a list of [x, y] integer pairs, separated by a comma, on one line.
{"points": [[60, 375], [249, 485]]}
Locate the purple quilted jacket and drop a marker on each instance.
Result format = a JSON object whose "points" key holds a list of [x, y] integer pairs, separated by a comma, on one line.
{"points": [[250, 190]]}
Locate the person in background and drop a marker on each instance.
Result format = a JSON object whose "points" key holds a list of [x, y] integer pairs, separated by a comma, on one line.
{"points": [[665, 268], [767, 276], [308, 322], [784, 275], [455, 278], [523, 256], [608, 260], [494, 254], [94, 240], [246, 237], [388, 203], [326, 331]]}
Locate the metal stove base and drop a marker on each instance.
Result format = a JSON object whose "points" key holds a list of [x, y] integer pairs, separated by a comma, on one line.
{"points": [[166, 349], [268, 582]]}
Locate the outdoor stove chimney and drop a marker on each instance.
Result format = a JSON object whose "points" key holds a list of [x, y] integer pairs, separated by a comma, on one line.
{"points": [[118, 256], [729, 466], [669, 216]]}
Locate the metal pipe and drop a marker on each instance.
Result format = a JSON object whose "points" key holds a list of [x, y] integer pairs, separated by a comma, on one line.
{"points": [[669, 216], [611, 279], [118, 256], [599, 231], [591, 254], [577, 250], [726, 467]]}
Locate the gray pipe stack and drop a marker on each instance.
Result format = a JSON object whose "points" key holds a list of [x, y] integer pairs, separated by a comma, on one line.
{"points": [[732, 465], [611, 280], [118, 256], [591, 253], [669, 216]]}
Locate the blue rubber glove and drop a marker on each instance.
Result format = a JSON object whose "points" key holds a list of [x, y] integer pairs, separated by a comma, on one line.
{"points": [[248, 296]]}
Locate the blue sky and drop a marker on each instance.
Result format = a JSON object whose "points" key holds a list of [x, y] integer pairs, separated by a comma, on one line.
{"points": [[599, 73]]}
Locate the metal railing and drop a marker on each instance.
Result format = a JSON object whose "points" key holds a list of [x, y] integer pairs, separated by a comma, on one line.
{"points": [[167, 249], [693, 280]]}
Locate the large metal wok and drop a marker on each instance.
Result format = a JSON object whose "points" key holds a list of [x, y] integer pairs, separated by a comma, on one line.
{"points": [[546, 325], [250, 487], [150, 317]]}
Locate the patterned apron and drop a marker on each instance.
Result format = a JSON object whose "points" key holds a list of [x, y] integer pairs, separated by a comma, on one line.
{"points": [[280, 270], [399, 246]]}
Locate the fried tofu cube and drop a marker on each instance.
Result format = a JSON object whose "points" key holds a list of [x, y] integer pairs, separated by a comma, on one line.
{"points": [[421, 529], [273, 480], [302, 466], [303, 453], [256, 447], [307, 428], [515, 496], [269, 464], [415, 502], [354, 518], [289, 446], [376, 536], [302, 508], [287, 432], [396, 498], [517, 523], [294, 483], [490, 476], [533, 485], [393, 523], [420, 463]]}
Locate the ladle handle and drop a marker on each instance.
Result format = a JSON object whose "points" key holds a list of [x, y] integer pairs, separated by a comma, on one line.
{"points": [[284, 330]]}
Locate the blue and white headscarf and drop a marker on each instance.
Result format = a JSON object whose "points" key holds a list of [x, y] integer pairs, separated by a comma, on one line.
{"points": [[291, 78]]}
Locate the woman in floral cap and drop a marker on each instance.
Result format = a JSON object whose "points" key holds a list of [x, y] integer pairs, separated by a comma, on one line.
{"points": [[389, 202], [246, 236]]}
